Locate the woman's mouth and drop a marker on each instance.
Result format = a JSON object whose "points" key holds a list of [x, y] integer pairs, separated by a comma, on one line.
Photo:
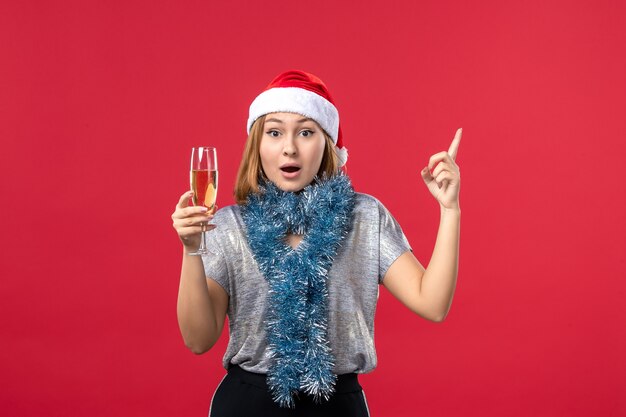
{"points": [[290, 171]]}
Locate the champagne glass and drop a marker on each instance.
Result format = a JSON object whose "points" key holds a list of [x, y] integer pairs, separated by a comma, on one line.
{"points": [[203, 178]]}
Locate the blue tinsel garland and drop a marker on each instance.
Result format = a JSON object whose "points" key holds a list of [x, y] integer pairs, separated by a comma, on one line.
{"points": [[297, 315]]}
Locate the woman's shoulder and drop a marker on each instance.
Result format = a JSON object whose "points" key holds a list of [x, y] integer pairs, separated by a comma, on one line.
{"points": [[367, 208], [366, 202], [228, 211], [227, 217]]}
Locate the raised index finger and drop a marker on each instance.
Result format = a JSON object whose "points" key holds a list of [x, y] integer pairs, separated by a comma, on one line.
{"points": [[184, 199], [454, 147]]}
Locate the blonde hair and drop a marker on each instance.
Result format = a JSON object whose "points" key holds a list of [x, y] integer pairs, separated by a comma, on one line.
{"points": [[251, 171]]}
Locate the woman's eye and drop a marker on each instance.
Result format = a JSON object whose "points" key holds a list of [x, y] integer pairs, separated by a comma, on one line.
{"points": [[273, 133], [307, 133]]}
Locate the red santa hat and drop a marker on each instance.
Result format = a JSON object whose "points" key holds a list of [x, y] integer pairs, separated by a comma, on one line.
{"points": [[303, 93]]}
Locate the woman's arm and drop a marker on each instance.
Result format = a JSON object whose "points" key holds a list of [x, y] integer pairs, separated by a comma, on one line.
{"points": [[202, 302], [429, 292], [201, 308]]}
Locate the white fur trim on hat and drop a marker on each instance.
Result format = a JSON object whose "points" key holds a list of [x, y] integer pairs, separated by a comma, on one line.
{"points": [[296, 100]]}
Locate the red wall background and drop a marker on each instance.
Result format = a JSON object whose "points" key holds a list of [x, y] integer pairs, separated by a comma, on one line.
{"points": [[100, 103]]}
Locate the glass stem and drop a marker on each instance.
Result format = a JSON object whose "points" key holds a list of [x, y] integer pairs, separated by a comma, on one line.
{"points": [[203, 241], [204, 236]]}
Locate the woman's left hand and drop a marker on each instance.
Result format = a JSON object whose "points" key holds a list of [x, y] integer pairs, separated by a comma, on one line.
{"points": [[445, 180]]}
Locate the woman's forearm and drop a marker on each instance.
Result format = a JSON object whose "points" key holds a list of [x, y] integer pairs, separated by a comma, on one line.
{"points": [[196, 316], [439, 280]]}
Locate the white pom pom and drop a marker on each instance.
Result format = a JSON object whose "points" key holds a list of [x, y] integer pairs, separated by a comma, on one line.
{"points": [[342, 153]]}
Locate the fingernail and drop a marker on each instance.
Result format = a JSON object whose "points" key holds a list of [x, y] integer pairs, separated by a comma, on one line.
{"points": [[203, 209]]}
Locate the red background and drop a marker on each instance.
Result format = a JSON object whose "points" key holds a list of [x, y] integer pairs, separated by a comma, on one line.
{"points": [[100, 103]]}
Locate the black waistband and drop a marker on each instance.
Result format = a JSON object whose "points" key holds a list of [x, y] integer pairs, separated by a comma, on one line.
{"points": [[345, 382]]}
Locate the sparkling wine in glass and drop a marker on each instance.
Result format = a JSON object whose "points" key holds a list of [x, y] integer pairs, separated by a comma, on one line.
{"points": [[203, 178]]}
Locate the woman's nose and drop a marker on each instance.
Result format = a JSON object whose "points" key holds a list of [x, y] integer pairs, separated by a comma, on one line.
{"points": [[289, 147]]}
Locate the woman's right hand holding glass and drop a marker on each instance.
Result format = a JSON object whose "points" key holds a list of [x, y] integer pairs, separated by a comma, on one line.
{"points": [[187, 221]]}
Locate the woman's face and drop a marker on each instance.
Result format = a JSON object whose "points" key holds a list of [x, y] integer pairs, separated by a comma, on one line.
{"points": [[292, 147]]}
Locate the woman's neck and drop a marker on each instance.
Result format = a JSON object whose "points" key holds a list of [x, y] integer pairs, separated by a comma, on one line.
{"points": [[293, 240]]}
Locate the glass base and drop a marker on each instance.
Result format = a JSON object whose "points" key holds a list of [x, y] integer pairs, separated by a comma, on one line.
{"points": [[199, 252]]}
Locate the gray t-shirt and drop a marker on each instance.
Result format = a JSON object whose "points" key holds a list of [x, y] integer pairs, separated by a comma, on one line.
{"points": [[374, 243]]}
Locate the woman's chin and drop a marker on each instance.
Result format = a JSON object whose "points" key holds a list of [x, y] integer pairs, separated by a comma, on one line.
{"points": [[290, 187]]}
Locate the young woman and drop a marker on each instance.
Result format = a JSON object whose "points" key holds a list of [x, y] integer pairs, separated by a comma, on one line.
{"points": [[296, 264]]}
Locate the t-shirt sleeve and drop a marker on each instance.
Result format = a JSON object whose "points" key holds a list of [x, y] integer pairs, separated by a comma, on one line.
{"points": [[392, 241], [215, 266]]}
